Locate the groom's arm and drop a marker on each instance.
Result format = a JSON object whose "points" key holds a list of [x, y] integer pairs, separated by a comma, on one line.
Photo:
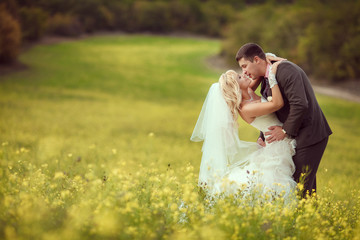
{"points": [[290, 79]]}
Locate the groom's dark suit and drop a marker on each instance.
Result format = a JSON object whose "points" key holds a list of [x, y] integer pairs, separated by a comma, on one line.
{"points": [[302, 118]]}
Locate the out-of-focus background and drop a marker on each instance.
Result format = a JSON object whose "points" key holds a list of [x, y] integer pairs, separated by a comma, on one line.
{"points": [[321, 36]]}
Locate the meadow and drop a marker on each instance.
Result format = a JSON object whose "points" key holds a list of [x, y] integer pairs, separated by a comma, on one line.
{"points": [[95, 144]]}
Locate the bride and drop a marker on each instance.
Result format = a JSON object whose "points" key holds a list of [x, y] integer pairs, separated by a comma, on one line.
{"points": [[229, 165]]}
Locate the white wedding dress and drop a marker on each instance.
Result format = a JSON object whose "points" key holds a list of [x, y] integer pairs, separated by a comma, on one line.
{"points": [[231, 166]]}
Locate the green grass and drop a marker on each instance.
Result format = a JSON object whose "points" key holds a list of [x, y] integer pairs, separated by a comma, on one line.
{"points": [[122, 108]]}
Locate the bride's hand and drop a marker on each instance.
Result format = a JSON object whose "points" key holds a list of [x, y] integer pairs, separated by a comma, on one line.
{"points": [[275, 65], [271, 58], [261, 142]]}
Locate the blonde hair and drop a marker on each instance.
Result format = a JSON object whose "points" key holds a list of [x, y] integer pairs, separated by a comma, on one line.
{"points": [[231, 91]]}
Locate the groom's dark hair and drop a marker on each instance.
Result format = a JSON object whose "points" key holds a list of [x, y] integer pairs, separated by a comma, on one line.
{"points": [[249, 51]]}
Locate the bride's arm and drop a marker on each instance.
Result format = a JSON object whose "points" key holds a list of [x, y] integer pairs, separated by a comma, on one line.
{"points": [[270, 57], [259, 109], [277, 102]]}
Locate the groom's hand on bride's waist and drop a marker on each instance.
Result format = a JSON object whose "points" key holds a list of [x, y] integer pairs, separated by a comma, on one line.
{"points": [[275, 133]]}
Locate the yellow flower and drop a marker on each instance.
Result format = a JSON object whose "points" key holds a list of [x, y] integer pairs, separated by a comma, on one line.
{"points": [[173, 207], [59, 175], [65, 193], [24, 150]]}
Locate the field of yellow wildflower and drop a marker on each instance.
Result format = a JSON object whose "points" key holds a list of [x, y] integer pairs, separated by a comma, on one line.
{"points": [[94, 144]]}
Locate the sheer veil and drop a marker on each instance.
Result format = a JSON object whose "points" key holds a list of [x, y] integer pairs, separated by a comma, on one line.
{"points": [[222, 149]]}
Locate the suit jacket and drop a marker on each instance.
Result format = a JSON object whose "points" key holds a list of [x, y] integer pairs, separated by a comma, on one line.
{"points": [[301, 115]]}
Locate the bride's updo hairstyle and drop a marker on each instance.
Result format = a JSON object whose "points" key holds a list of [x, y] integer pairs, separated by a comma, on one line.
{"points": [[231, 91]]}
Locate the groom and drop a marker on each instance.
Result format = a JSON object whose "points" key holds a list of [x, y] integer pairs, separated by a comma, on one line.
{"points": [[301, 113]]}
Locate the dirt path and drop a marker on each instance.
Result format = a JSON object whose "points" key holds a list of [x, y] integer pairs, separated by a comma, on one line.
{"points": [[337, 92]]}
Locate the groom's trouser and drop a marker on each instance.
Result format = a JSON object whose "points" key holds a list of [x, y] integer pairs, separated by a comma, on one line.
{"points": [[307, 161]]}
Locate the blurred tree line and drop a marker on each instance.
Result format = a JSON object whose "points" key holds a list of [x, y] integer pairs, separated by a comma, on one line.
{"points": [[320, 35], [29, 20]]}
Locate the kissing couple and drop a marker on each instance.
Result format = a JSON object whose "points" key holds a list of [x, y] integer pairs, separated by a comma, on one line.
{"points": [[293, 129]]}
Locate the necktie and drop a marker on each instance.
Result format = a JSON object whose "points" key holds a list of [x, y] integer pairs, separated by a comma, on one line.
{"points": [[267, 87]]}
